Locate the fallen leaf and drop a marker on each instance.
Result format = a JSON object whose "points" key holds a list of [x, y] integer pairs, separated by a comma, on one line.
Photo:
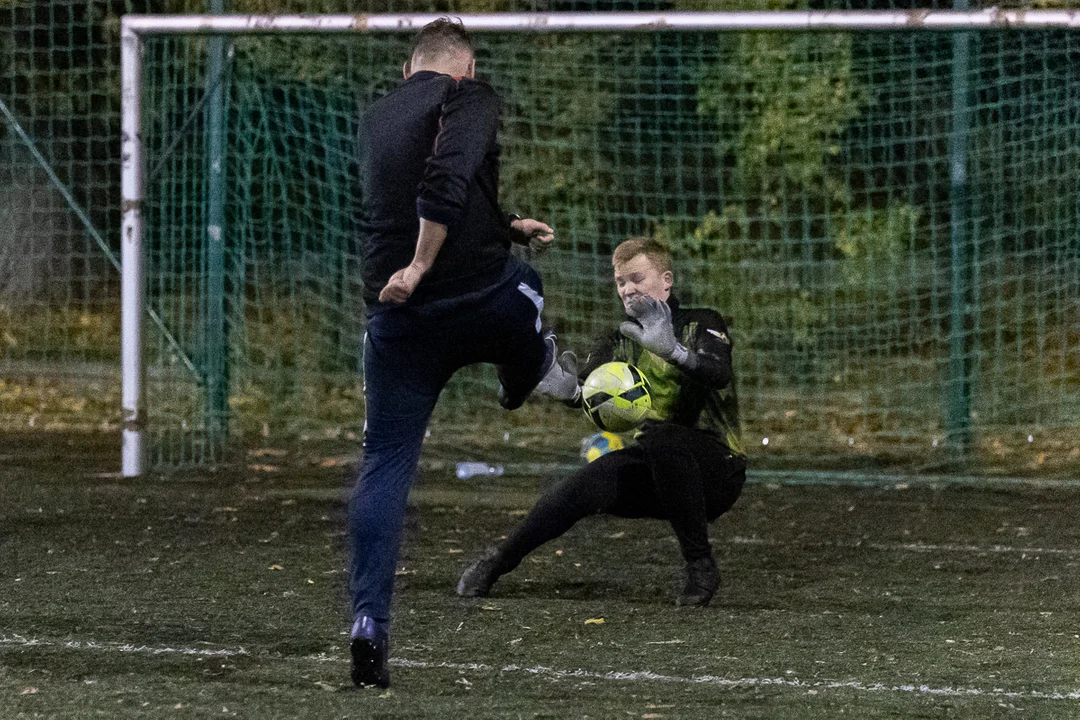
{"points": [[29, 691], [265, 452], [263, 468], [276, 567], [558, 552], [455, 551], [595, 621]]}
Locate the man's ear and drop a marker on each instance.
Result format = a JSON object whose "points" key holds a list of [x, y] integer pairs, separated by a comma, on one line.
{"points": [[405, 69], [669, 279], [472, 69]]}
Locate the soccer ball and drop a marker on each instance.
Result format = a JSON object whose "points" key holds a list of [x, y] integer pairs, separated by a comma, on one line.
{"points": [[616, 397], [600, 444]]}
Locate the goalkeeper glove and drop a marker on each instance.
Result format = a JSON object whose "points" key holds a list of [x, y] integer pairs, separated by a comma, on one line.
{"points": [[654, 330]]}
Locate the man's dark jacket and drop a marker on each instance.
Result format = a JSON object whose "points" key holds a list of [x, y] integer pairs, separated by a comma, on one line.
{"points": [[429, 150]]}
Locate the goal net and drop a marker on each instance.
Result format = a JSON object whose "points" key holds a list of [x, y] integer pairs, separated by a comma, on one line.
{"points": [[889, 221]]}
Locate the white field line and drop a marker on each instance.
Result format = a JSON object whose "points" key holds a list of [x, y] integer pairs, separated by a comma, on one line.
{"points": [[808, 686], [915, 547], [713, 680], [25, 642]]}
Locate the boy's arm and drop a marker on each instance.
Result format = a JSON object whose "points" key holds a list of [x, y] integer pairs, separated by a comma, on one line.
{"points": [[710, 350], [707, 361]]}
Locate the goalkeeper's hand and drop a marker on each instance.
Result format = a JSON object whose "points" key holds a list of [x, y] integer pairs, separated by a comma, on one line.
{"points": [[653, 329], [540, 234], [561, 381]]}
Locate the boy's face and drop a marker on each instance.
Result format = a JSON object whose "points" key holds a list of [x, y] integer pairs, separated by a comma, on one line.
{"points": [[639, 276]]}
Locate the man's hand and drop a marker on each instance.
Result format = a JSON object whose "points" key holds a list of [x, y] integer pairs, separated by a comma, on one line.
{"points": [[540, 235], [402, 284], [653, 329]]}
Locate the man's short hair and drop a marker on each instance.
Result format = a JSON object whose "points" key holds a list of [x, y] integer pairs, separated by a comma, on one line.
{"points": [[445, 37], [656, 251]]}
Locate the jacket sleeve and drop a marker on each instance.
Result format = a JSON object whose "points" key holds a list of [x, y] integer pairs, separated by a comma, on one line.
{"points": [[468, 125], [711, 348]]}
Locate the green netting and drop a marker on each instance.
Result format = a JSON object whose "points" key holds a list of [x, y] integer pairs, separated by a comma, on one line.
{"points": [[59, 291], [805, 181]]}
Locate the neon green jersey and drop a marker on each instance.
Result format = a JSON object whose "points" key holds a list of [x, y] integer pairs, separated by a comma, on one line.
{"points": [[704, 397]]}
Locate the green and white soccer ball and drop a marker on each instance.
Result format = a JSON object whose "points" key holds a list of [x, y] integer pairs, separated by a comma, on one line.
{"points": [[616, 397]]}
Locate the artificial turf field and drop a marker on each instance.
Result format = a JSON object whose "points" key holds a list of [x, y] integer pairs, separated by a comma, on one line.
{"points": [[222, 595]]}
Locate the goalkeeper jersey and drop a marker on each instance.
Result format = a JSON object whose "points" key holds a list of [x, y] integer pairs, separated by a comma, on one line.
{"points": [[704, 397]]}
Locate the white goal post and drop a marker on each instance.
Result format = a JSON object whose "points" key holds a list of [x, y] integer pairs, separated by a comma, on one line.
{"points": [[135, 28]]}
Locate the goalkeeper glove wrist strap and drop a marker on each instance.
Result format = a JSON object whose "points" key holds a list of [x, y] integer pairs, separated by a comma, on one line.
{"points": [[681, 356]]}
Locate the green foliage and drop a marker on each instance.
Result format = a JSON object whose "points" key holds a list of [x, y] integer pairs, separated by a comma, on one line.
{"points": [[781, 101], [551, 146], [778, 104], [877, 248], [722, 267], [755, 284]]}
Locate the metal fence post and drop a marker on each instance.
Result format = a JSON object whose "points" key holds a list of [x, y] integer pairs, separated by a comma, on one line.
{"points": [[958, 386], [217, 332]]}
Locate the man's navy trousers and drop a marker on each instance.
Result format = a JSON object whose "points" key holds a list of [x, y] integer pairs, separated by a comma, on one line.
{"points": [[410, 353]]}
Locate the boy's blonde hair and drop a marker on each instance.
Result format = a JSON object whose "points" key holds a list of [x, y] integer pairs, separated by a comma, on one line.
{"points": [[656, 251]]}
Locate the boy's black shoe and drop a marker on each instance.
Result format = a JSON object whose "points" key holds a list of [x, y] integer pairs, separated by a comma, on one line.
{"points": [[702, 582], [370, 650], [478, 578]]}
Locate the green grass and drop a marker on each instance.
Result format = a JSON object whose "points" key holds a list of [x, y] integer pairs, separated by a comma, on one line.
{"points": [[222, 594]]}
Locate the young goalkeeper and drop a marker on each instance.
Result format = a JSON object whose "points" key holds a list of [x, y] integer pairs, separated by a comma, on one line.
{"points": [[687, 467]]}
